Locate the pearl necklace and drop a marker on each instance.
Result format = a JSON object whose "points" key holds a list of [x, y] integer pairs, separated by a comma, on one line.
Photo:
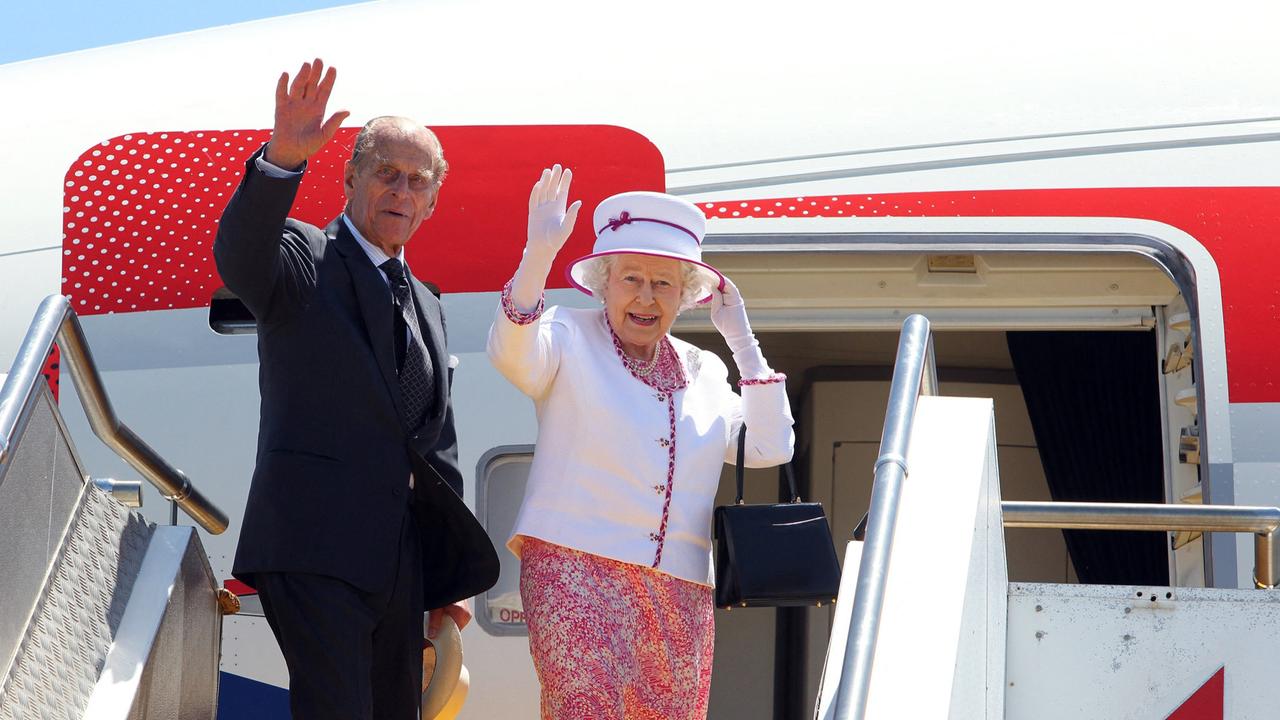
{"points": [[639, 368], [643, 368]]}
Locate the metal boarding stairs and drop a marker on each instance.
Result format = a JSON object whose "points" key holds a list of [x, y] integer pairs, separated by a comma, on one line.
{"points": [[103, 615], [928, 626]]}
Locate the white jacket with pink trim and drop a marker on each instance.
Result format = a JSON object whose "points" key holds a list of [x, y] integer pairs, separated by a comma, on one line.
{"points": [[600, 479]]}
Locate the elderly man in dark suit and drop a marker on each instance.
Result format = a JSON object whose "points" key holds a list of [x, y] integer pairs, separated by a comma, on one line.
{"points": [[354, 525]]}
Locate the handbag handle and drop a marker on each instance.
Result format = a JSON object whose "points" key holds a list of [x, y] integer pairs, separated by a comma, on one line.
{"points": [[739, 469]]}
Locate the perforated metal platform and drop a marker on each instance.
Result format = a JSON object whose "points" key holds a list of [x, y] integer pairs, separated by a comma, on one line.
{"points": [[61, 656], [102, 615]]}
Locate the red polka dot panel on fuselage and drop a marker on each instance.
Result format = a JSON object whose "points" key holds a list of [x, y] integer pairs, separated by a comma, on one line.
{"points": [[140, 211], [139, 216]]}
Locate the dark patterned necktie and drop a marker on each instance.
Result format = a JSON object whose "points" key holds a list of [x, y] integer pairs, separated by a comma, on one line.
{"points": [[417, 385]]}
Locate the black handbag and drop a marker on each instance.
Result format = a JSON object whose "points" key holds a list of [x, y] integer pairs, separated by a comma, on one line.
{"points": [[778, 555]]}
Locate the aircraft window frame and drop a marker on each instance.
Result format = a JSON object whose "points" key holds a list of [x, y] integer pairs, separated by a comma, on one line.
{"points": [[228, 314], [491, 460]]}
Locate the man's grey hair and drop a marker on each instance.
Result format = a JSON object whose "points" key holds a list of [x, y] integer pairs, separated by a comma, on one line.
{"points": [[365, 141], [695, 281]]}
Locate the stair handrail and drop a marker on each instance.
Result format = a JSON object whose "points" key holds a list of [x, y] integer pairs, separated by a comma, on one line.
{"points": [[1263, 522], [56, 321], [914, 374]]}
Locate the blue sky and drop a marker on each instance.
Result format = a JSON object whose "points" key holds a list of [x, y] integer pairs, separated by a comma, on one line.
{"points": [[35, 28]]}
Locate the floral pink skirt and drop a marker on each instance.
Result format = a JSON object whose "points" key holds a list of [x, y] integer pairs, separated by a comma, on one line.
{"points": [[612, 640]]}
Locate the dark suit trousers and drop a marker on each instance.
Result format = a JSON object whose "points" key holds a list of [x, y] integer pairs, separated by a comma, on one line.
{"points": [[352, 655]]}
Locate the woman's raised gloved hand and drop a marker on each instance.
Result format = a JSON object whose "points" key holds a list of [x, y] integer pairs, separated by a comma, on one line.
{"points": [[729, 315], [551, 221]]}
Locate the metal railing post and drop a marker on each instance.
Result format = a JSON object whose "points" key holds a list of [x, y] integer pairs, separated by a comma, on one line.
{"points": [[26, 369], [914, 373], [1263, 522], [56, 321]]}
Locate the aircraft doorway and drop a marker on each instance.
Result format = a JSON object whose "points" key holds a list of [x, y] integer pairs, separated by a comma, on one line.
{"points": [[1084, 409], [1074, 421]]}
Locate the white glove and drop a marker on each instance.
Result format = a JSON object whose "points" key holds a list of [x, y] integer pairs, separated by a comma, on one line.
{"points": [[729, 315], [550, 225]]}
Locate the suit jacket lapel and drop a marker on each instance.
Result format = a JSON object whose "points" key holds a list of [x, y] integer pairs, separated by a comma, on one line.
{"points": [[375, 304]]}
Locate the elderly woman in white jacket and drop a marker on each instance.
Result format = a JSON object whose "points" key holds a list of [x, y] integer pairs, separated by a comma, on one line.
{"points": [[634, 425]]}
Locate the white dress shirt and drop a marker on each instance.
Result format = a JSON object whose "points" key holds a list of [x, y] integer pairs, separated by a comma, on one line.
{"points": [[599, 482], [376, 255]]}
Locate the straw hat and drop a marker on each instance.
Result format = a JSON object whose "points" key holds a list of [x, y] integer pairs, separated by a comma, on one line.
{"points": [[445, 680]]}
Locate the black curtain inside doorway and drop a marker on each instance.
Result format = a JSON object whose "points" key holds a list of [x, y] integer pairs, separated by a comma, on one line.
{"points": [[1093, 398]]}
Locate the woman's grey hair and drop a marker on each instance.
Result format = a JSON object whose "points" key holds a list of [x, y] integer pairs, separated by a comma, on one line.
{"points": [[695, 281]]}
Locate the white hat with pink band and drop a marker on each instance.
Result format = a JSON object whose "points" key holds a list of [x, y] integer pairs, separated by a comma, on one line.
{"points": [[647, 223]]}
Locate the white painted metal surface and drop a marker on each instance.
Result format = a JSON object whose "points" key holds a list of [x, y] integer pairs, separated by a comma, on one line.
{"points": [[1138, 653], [941, 647], [831, 670]]}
